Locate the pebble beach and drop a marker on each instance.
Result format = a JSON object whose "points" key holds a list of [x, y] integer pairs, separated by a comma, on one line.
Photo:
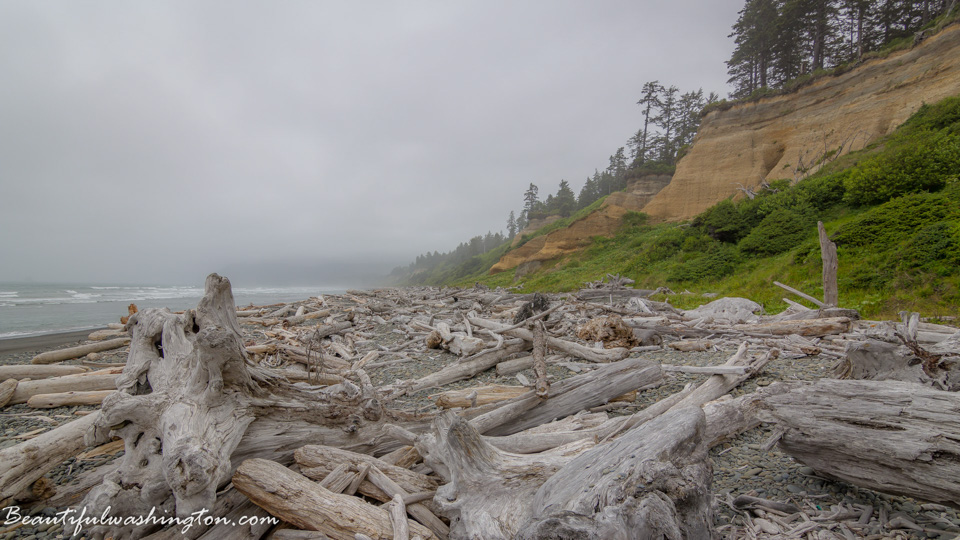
{"points": [[741, 466]]}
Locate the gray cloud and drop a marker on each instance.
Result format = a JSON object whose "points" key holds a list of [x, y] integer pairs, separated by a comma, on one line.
{"points": [[161, 141]]}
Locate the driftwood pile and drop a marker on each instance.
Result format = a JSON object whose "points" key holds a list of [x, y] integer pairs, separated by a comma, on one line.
{"points": [[257, 411]]}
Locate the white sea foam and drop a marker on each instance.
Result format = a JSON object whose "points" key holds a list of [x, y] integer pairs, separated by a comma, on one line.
{"points": [[8, 294]]}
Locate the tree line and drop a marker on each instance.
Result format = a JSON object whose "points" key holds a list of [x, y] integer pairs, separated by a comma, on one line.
{"points": [[778, 41], [670, 121]]}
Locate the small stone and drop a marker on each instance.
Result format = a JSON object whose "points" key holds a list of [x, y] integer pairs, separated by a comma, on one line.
{"points": [[795, 489], [807, 471], [752, 472]]}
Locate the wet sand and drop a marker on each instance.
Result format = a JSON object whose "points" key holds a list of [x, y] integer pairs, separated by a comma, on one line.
{"points": [[44, 342]]}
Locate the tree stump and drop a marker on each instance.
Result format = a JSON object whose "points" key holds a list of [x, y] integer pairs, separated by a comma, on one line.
{"points": [[190, 407]]}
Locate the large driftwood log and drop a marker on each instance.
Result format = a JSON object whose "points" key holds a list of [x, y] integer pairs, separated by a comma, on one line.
{"points": [[78, 351], [651, 483], [190, 408], [104, 379], [488, 491], [29, 371], [890, 436], [63, 399], [26, 462]]}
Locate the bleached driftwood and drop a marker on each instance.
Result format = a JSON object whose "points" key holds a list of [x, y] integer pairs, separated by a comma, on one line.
{"points": [[297, 500], [7, 388], [890, 436], [63, 399], [190, 408], [658, 482], [70, 353], [26, 462], [30, 371], [569, 347], [84, 382]]}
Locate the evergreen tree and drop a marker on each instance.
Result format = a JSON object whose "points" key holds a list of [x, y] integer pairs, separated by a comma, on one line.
{"points": [[512, 225], [565, 200], [754, 34], [530, 202], [667, 120], [649, 100]]}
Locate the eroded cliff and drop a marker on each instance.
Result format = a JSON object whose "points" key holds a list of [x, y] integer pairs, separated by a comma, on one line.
{"points": [[603, 222], [775, 137]]}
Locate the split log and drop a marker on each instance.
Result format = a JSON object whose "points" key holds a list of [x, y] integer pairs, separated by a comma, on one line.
{"points": [[70, 353], [63, 399], [890, 436], [557, 344], [104, 379], [29, 371], [26, 462], [297, 500]]}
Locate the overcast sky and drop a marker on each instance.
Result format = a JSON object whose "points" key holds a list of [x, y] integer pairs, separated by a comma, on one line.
{"points": [[156, 142]]}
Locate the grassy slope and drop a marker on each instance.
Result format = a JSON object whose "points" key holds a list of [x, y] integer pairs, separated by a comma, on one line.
{"points": [[893, 209]]}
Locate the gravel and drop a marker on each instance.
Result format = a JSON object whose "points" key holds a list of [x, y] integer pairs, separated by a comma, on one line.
{"points": [[741, 467]]}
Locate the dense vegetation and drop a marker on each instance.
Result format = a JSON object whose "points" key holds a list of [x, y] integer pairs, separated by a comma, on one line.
{"points": [[893, 209], [781, 43]]}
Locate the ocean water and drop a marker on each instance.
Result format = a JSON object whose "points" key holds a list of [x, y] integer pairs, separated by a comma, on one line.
{"points": [[31, 309]]}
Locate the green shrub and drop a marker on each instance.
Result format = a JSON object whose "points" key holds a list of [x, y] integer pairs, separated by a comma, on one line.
{"points": [[778, 232], [719, 262], [930, 247], [723, 222], [894, 221], [923, 165]]}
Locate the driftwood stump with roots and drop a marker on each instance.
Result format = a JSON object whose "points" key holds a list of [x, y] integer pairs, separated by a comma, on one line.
{"points": [[190, 407]]}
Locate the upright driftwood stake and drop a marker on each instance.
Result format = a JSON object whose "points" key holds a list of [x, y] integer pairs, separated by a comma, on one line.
{"points": [[539, 358], [828, 252]]}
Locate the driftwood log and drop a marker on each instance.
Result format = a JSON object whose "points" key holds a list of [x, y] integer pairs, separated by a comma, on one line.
{"points": [[653, 482], [890, 436], [81, 350], [190, 408]]}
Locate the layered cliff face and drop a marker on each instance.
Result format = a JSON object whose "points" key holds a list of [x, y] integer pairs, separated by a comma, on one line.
{"points": [[603, 222], [778, 137]]}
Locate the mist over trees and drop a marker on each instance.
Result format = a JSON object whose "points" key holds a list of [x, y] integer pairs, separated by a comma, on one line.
{"points": [[670, 122], [778, 41]]}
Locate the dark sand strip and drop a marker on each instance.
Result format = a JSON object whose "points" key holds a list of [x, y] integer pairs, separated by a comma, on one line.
{"points": [[43, 342]]}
